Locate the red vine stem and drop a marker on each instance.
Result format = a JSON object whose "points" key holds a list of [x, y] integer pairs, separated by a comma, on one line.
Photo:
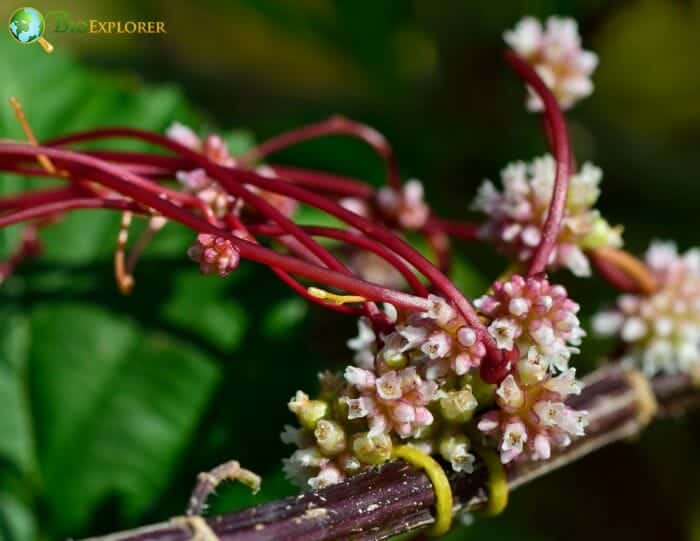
{"points": [[355, 240], [562, 155], [124, 182], [229, 178], [298, 288], [335, 125]]}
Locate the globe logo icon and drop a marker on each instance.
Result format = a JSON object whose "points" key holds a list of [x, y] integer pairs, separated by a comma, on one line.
{"points": [[27, 26]]}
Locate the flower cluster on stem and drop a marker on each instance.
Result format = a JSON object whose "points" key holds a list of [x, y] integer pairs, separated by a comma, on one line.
{"points": [[516, 215], [555, 52], [661, 331]]}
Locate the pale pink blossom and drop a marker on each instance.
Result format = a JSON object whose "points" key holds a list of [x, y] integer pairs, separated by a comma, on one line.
{"points": [[532, 417], [516, 216], [661, 331], [214, 254], [537, 317], [406, 206], [396, 401], [556, 54]]}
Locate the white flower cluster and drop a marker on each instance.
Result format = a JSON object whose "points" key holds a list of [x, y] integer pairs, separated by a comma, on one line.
{"points": [[661, 331], [536, 316], [390, 395], [405, 207], [516, 215], [438, 341], [533, 418], [556, 54]]}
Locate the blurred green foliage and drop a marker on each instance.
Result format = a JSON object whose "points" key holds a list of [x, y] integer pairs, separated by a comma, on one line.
{"points": [[110, 405]]}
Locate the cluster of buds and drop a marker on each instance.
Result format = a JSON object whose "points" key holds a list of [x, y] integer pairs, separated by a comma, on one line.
{"points": [[517, 214], [556, 54], [439, 341], [198, 183], [420, 384], [406, 390], [532, 417], [395, 401], [536, 317], [404, 207], [661, 331], [214, 255]]}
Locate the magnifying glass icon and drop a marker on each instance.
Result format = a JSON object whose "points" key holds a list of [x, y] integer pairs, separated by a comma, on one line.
{"points": [[27, 25]]}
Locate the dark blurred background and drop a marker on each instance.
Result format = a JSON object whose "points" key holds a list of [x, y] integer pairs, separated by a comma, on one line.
{"points": [[109, 406]]}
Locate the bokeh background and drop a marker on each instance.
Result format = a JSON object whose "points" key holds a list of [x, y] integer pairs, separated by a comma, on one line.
{"points": [[110, 405]]}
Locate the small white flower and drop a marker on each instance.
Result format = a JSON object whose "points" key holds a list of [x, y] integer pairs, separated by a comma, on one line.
{"points": [[503, 332], [359, 407], [359, 377], [515, 217], [514, 438], [184, 135], [330, 475], [565, 384], [607, 323], [363, 344], [542, 448], [389, 386], [437, 345], [633, 329], [440, 310], [550, 414], [662, 331], [510, 394]]}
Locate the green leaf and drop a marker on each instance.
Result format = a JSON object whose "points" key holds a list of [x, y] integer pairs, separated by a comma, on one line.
{"points": [[129, 403], [16, 445], [284, 317], [16, 520], [200, 304]]}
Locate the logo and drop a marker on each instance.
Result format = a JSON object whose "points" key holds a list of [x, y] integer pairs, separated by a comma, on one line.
{"points": [[27, 26]]}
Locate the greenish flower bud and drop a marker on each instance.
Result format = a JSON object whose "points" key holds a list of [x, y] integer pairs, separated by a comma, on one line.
{"points": [[458, 406], [309, 412], [349, 463], [455, 449], [484, 393], [330, 437], [396, 362], [372, 449], [602, 234]]}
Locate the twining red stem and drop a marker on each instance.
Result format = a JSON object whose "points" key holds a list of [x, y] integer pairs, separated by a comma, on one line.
{"points": [[328, 182], [271, 213], [229, 178], [354, 240], [49, 209], [298, 288], [562, 155], [335, 125], [37, 197], [124, 182]]}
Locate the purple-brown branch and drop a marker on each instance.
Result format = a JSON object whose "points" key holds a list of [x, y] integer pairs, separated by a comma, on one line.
{"points": [[397, 498]]}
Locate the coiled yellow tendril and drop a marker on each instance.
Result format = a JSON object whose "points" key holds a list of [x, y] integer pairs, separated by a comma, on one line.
{"points": [[441, 486], [496, 484]]}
